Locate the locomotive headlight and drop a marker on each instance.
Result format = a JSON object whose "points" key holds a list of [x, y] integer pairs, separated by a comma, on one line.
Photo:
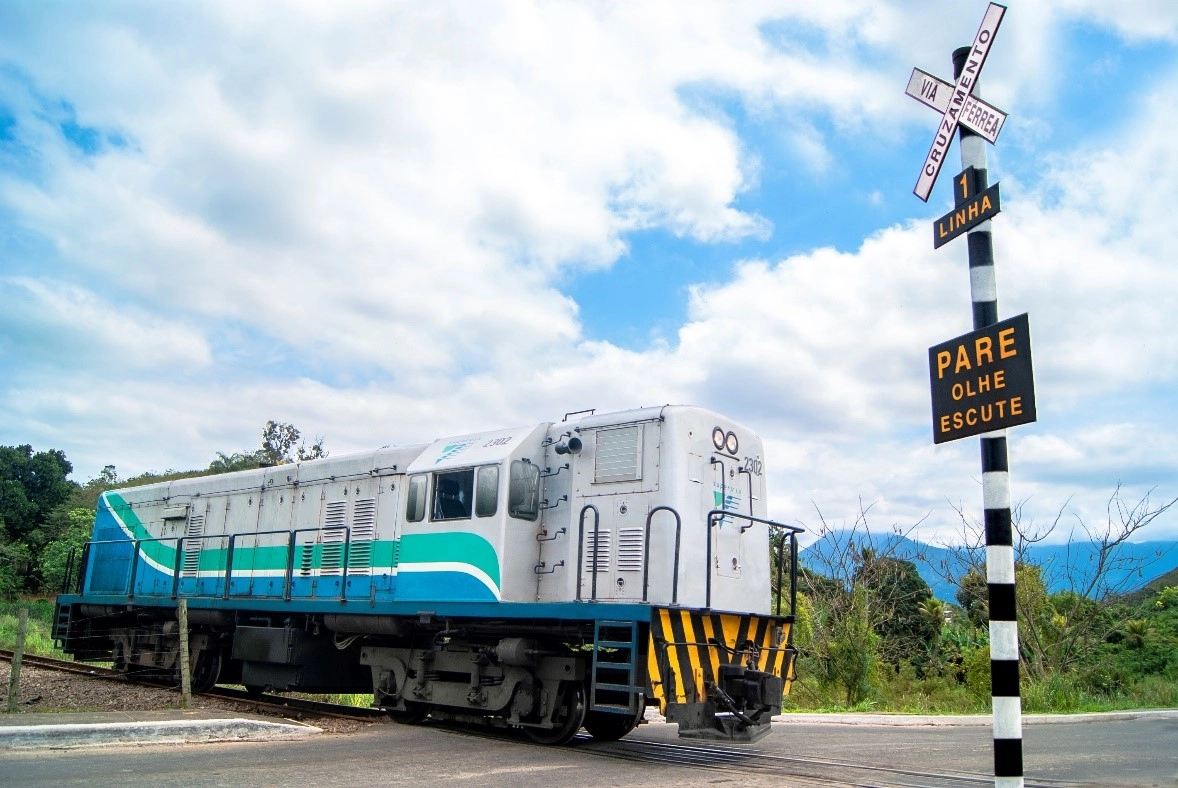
{"points": [[725, 441]]}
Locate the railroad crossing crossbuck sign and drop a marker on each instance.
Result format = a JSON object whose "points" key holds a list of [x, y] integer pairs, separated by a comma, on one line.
{"points": [[977, 115], [958, 107]]}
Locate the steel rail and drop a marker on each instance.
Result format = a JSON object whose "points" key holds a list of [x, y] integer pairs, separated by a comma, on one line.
{"points": [[278, 703]]}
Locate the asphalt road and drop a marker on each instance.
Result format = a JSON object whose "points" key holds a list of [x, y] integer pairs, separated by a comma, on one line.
{"points": [[1106, 751]]}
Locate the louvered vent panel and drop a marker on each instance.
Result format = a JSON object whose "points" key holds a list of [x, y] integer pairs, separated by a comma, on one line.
{"points": [[363, 535], [618, 457], [601, 564], [190, 565], [332, 539], [630, 545]]}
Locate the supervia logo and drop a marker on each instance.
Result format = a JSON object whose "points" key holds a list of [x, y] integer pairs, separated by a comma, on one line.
{"points": [[728, 500], [450, 449]]}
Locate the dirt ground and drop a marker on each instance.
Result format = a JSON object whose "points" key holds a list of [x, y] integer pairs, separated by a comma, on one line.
{"points": [[45, 691]]}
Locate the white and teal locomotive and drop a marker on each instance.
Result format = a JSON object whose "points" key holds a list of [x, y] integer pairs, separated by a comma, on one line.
{"points": [[550, 577]]}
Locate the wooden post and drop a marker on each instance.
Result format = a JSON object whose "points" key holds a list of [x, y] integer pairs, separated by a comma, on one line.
{"points": [[17, 655], [185, 667]]}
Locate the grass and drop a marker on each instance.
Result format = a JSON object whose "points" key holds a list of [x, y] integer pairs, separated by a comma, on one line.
{"points": [[903, 693], [39, 634], [358, 700]]}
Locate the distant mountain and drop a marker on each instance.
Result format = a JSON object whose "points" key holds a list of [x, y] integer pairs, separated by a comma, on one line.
{"points": [[1137, 565]]}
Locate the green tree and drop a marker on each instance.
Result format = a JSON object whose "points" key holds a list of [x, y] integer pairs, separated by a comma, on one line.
{"points": [[973, 596], [238, 461], [853, 651], [865, 599], [279, 440], [281, 444], [72, 535], [31, 485], [897, 591]]}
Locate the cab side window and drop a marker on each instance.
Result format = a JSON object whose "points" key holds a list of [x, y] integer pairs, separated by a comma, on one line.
{"points": [[415, 499], [523, 494], [453, 495], [486, 499]]}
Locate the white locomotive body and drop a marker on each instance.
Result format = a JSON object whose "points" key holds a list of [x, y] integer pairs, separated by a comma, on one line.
{"points": [[551, 576]]}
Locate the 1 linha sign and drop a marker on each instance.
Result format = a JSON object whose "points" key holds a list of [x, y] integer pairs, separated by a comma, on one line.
{"points": [[972, 209], [983, 381]]}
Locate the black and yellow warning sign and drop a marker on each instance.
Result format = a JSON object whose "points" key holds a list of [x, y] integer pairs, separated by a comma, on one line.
{"points": [[974, 206], [983, 381]]}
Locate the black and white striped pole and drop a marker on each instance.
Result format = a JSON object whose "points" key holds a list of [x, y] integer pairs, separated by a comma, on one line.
{"points": [[1004, 652], [982, 382]]}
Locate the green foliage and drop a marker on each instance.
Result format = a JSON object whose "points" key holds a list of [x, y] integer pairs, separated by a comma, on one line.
{"points": [[972, 595], [39, 633], [43, 515], [803, 627], [30, 486], [10, 581], [70, 539], [238, 461], [897, 588], [848, 649], [16, 561], [279, 441], [975, 670], [281, 444]]}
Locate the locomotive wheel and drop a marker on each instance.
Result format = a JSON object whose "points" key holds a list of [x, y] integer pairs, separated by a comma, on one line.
{"points": [[206, 671], [414, 713], [569, 715], [130, 670], [605, 726]]}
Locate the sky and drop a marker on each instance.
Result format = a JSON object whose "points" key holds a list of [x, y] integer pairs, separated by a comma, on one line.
{"points": [[386, 223]]}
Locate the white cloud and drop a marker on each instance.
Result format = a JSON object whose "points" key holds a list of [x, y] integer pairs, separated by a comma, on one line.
{"points": [[48, 322], [381, 203]]}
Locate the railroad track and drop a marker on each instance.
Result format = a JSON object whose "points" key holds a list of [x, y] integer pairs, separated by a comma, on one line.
{"points": [[756, 761], [752, 760], [798, 770], [281, 704]]}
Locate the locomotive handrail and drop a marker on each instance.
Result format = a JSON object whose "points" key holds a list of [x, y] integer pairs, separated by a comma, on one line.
{"points": [[129, 589], [134, 544], [343, 585], [715, 515], [180, 540], [793, 571], [291, 544], [749, 478], [646, 555], [581, 547], [290, 550], [69, 571]]}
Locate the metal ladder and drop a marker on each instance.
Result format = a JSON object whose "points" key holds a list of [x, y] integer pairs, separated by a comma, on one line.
{"points": [[615, 667], [61, 623]]}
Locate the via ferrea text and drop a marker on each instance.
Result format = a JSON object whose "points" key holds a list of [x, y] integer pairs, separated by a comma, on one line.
{"points": [[983, 381]]}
